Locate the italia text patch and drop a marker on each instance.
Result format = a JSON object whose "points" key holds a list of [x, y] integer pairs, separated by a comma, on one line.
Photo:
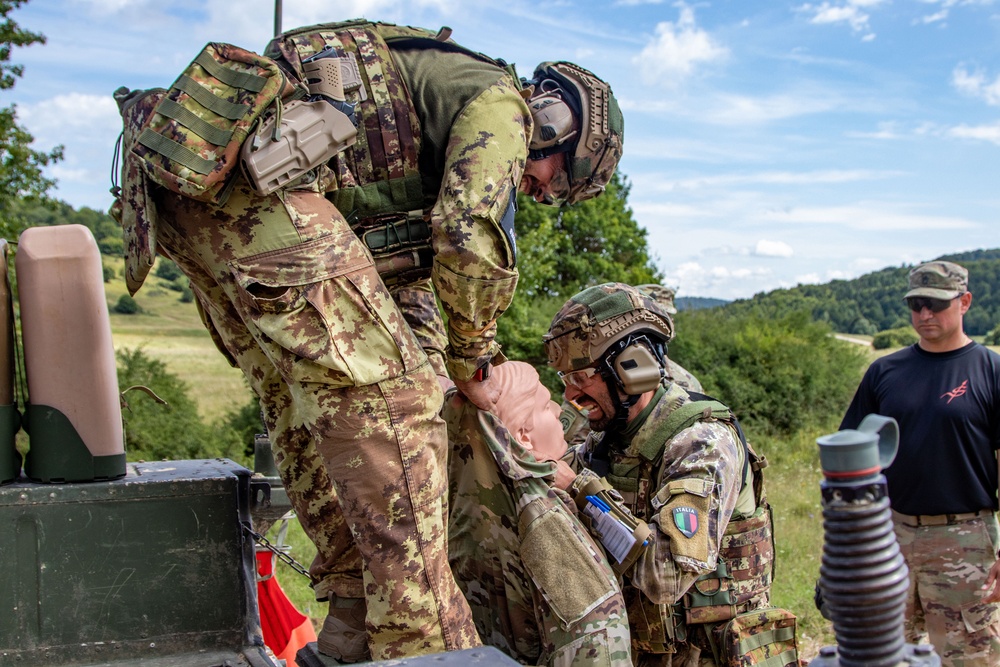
{"points": [[686, 520]]}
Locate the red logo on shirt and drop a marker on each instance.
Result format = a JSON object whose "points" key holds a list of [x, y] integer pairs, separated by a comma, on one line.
{"points": [[956, 392]]}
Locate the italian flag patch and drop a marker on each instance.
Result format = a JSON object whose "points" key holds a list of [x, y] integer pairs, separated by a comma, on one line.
{"points": [[686, 520]]}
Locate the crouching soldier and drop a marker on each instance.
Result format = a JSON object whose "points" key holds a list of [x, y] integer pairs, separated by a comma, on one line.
{"points": [[673, 469]]}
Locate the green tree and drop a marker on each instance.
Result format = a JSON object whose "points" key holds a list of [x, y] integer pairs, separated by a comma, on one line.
{"points": [[167, 270], [246, 422], [20, 165], [562, 251], [993, 337], [898, 337]]}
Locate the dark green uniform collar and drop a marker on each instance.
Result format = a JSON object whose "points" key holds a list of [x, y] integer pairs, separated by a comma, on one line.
{"points": [[636, 424]]}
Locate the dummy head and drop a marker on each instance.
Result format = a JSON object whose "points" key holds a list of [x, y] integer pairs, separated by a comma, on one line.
{"points": [[527, 410]]}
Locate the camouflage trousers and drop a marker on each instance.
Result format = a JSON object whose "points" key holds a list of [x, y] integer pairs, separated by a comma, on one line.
{"points": [[350, 403], [948, 566]]}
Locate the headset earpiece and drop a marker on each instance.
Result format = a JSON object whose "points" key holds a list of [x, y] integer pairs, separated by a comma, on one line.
{"points": [[637, 369]]}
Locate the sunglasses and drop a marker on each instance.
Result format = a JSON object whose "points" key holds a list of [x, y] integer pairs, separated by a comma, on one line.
{"points": [[577, 378], [918, 303]]}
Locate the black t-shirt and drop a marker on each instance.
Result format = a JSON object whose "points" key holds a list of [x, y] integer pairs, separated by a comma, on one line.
{"points": [[948, 408]]}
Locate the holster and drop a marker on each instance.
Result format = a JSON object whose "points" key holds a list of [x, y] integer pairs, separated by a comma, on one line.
{"points": [[307, 135]]}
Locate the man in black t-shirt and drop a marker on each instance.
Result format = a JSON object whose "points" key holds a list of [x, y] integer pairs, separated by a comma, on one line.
{"points": [[944, 392]]}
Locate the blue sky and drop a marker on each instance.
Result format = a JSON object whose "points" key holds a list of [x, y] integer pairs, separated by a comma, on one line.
{"points": [[767, 143]]}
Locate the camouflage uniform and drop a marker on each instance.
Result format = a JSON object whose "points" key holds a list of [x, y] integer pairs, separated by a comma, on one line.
{"points": [[678, 466], [473, 261], [458, 131], [948, 566], [540, 589], [942, 482], [292, 297], [699, 471]]}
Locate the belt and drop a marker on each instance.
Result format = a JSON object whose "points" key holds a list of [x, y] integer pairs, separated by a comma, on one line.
{"points": [[938, 519]]}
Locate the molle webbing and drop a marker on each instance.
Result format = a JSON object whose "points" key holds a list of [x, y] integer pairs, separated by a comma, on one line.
{"points": [[400, 245], [192, 142], [383, 162], [632, 476], [746, 563], [683, 417]]}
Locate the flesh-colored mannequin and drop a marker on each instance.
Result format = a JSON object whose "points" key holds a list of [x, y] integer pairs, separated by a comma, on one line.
{"points": [[527, 410]]}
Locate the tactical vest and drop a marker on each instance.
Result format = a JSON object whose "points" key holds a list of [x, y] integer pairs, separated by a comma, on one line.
{"points": [[378, 182], [746, 553]]}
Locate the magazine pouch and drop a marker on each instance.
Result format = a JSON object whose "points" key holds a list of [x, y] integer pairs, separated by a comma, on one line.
{"points": [[192, 142], [760, 637]]}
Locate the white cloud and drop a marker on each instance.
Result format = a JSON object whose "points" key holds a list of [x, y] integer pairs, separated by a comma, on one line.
{"points": [[694, 279], [72, 110], [862, 265], [989, 133], [977, 84], [87, 126], [886, 130], [765, 248], [934, 18], [852, 12], [65, 175], [740, 109], [870, 218], [774, 178], [945, 9], [676, 49]]}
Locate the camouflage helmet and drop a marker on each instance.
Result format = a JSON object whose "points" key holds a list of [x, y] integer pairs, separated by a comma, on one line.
{"points": [[595, 319], [661, 294], [575, 112]]}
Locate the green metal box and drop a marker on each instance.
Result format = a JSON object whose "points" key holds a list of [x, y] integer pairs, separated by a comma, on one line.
{"points": [[155, 568]]}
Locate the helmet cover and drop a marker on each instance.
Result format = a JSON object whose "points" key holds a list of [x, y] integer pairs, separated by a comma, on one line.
{"points": [[595, 319], [593, 142]]}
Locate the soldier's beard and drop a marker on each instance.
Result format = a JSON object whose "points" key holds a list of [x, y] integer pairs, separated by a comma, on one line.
{"points": [[601, 417]]}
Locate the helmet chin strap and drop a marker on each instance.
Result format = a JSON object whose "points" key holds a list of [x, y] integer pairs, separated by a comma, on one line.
{"points": [[622, 406]]}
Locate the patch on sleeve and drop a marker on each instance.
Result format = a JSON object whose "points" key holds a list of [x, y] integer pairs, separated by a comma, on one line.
{"points": [[686, 520]]}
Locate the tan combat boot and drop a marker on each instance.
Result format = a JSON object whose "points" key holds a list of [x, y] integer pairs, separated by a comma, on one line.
{"points": [[344, 636]]}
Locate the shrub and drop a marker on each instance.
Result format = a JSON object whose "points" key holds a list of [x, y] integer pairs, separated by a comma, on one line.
{"points": [[900, 337], [167, 270], [113, 246], [173, 430], [245, 421], [993, 337], [127, 305], [779, 375], [187, 296], [109, 273]]}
